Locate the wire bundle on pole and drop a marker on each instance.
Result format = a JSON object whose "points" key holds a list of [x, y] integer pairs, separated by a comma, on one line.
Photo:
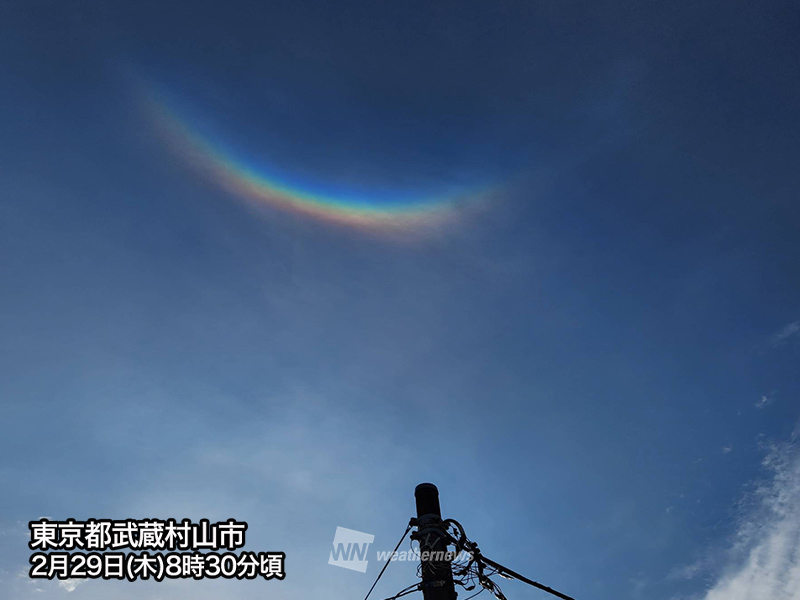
{"points": [[469, 573], [479, 568]]}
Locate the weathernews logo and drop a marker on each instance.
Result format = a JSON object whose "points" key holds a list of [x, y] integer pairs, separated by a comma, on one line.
{"points": [[350, 549]]}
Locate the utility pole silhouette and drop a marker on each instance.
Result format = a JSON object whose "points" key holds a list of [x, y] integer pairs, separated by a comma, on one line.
{"points": [[437, 570], [437, 574], [436, 563]]}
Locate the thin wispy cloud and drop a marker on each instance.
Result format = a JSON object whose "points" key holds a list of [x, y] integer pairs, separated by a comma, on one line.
{"points": [[70, 584], [792, 330], [763, 402], [765, 562], [689, 571]]}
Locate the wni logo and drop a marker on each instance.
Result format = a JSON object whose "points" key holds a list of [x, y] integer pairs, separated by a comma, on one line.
{"points": [[350, 549]]}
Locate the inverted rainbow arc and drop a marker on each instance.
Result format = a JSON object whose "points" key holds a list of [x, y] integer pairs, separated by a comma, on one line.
{"points": [[247, 182]]}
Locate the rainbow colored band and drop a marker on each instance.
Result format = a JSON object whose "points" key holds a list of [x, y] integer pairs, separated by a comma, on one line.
{"points": [[247, 182]]}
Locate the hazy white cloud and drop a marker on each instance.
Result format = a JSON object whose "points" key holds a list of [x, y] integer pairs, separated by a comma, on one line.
{"points": [[70, 584], [763, 402], [690, 571], [727, 449], [790, 331], [765, 562]]}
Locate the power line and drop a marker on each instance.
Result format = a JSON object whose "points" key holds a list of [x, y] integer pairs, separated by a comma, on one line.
{"points": [[405, 533], [478, 593], [505, 570], [474, 569]]}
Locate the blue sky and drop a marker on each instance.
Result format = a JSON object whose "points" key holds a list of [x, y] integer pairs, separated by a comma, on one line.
{"points": [[606, 353]]}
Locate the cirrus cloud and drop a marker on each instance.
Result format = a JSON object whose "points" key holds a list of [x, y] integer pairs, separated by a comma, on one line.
{"points": [[765, 562]]}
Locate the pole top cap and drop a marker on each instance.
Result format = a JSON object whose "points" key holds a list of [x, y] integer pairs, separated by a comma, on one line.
{"points": [[424, 487], [427, 496]]}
